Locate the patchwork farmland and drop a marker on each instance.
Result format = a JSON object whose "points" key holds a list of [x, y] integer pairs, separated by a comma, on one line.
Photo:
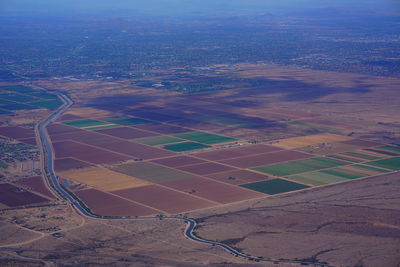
{"points": [[147, 160], [149, 165]]}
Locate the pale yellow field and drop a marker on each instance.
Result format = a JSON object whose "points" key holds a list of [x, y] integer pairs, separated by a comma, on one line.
{"points": [[302, 141], [104, 179]]}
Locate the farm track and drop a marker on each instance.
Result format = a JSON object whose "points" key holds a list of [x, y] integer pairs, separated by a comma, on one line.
{"points": [[47, 157]]}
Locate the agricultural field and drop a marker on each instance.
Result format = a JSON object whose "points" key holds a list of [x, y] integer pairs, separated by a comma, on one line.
{"points": [[103, 179], [18, 98], [151, 172], [185, 146], [299, 166], [391, 163], [205, 138], [124, 120], [158, 140], [275, 186], [13, 196], [303, 141]]}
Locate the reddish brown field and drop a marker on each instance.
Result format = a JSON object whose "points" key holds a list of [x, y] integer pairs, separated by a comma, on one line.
{"points": [[162, 128], [69, 117], [164, 199], [126, 132], [29, 141], [178, 161], [37, 184], [137, 150], [363, 143], [238, 177], [66, 164], [85, 137], [205, 168], [16, 132], [264, 159], [237, 152], [12, 196], [57, 128], [213, 190], [83, 152], [109, 205]]}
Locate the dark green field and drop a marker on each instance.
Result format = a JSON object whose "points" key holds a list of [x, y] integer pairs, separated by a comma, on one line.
{"points": [[299, 166], [205, 138], [344, 173], [18, 106], [186, 146], [392, 163], [274, 186], [50, 104], [18, 88], [84, 123], [20, 98], [126, 120]]}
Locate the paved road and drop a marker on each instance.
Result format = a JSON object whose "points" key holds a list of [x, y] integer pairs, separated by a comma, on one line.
{"points": [[48, 170]]}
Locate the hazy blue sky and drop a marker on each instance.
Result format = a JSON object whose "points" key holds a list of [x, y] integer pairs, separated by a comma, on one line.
{"points": [[174, 7]]}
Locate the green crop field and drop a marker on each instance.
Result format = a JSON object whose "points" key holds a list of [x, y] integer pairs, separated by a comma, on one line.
{"points": [[205, 138], [300, 166], [392, 163], [19, 98], [317, 178], [43, 95], [50, 104], [186, 146], [391, 148], [343, 173], [158, 140], [274, 186], [84, 123], [126, 120], [344, 158], [18, 88], [362, 155], [18, 106]]}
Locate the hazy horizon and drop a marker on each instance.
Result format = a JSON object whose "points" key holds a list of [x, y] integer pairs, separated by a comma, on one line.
{"points": [[189, 7]]}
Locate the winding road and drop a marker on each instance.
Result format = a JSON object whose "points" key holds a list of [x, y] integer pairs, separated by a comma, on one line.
{"points": [[47, 155]]}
